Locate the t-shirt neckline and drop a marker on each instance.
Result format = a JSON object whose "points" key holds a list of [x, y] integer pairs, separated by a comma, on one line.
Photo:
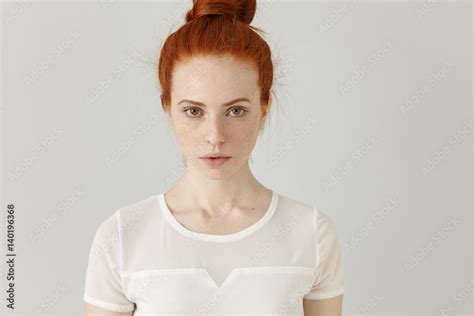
{"points": [[214, 237]]}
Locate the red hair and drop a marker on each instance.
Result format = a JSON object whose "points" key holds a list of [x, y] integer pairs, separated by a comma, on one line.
{"points": [[217, 28]]}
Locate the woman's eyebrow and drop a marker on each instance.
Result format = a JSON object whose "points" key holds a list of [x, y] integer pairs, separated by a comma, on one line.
{"points": [[225, 104]]}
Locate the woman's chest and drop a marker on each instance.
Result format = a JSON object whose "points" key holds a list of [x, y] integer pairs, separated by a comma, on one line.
{"points": [[267, 289]]}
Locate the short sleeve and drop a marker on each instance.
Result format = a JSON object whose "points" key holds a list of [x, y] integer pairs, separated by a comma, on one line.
{"points": [[103, 284], [329, 271]]}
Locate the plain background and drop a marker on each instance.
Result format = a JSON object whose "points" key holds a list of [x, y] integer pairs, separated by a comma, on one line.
{"points": [[372, 123]]}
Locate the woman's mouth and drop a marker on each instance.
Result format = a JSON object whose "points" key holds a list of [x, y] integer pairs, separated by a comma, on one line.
{"points": [[215, 161]]}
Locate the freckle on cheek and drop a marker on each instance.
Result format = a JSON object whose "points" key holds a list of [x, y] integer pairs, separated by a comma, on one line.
{"points": [[247, 138]]}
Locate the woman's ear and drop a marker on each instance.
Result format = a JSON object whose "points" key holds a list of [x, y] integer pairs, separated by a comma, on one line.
{"points": [[266, 112], [169, 118]]}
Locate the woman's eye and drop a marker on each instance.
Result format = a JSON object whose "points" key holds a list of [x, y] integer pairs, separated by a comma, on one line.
{"points": [[187, 111], [241, 110], [237, 111]]}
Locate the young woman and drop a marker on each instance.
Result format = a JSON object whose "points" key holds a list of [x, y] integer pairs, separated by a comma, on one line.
{"points": [[219, 242]]}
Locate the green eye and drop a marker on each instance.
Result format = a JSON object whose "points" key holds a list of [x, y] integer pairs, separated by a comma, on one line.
{"points": [[241, 110], [186, 111]]}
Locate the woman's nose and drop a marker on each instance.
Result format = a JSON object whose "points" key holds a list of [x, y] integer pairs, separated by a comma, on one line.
{"points": [[215, 133]]}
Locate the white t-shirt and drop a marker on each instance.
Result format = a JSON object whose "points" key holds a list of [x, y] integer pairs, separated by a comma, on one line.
{"points": [[142, 257]]}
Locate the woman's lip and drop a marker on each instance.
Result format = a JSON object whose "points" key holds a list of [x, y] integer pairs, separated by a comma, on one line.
{"points": [[215, 162]]}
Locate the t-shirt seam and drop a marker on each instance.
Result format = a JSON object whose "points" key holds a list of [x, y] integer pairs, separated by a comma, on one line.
{"points": [[87, 297], [119, 233], [318, 258], [251, 230], [326, 294], [120, 253]]}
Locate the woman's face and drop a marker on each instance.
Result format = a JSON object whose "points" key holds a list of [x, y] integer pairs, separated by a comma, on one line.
{"points": [[204, 117]]}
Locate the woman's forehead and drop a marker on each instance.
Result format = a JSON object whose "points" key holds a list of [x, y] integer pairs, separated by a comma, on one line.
{"points": [[206, 65], [215, 76]]}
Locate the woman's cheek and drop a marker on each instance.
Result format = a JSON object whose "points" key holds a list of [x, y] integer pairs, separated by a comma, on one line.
{"points": [[246, 137], [187, 136]]}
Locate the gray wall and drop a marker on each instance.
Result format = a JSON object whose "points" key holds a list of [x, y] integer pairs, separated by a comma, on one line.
{"points": [[372, 123]]}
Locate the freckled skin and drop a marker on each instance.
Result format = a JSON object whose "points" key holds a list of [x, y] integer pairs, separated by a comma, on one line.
{"points": [[214, 81]]}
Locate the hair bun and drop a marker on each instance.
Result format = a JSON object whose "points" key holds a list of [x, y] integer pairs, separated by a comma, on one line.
{"points": [[242, 10]]}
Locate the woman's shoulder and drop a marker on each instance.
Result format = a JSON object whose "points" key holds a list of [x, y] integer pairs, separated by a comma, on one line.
{"points": [[127, 216], [294, 206], [137, 210], [311, 212]]}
